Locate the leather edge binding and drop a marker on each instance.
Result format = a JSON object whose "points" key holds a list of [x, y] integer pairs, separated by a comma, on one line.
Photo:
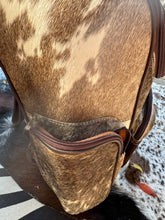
{"points": [[76, 146]]}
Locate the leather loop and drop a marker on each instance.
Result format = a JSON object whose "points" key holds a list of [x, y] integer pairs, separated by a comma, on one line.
{"points": [[125, 135]]}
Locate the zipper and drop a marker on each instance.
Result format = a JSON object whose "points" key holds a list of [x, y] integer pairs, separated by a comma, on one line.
{"points": [[87, 144]]}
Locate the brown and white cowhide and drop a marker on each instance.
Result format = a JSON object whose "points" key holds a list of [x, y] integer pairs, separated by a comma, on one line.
{"points": [[68, 60], [13, 151], [31, 55], [149, 155]]}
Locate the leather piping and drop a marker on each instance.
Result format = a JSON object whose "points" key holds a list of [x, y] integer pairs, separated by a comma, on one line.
{"points": [[87, 144]]}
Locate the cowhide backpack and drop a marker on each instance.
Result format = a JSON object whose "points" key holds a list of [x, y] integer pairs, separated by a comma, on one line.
{"points": [[81, 73]]}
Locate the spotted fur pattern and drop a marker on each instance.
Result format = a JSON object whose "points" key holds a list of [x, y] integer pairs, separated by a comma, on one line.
{"points": [[69, 59], [40, 50]]}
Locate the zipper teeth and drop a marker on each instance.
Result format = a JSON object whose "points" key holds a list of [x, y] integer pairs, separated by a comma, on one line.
{"points": [[76, 146]]}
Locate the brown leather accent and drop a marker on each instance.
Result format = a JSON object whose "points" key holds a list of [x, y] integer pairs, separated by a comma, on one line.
{"points": [[125, 135], [134, 142], [147, 116], [131, 148], [158, 36], [86, 144], [156, 48]]}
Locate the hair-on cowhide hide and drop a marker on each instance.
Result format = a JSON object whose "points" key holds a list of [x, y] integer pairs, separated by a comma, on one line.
{"points": [[125, 201], [124, 196], [109, 209]]}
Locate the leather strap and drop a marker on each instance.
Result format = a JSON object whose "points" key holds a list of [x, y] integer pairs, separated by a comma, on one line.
{"points": [[157, 47], [136, 139], [158, 36], [160, 72]]}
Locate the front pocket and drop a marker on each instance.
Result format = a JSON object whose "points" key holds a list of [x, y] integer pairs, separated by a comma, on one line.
{"points": [[81, 172]]}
